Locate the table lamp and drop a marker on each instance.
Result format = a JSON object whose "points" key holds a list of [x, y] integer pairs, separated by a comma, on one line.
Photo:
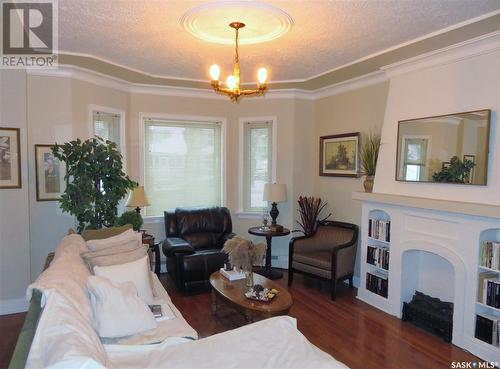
{"points": [[137, 199], [274, 193]]}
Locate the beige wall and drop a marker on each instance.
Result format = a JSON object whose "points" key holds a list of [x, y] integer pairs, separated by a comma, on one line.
{"points": [[353, 111], [57, 109], [14, 213]]}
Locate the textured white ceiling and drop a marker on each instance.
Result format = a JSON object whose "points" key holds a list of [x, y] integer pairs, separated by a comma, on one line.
{"points": [[148, 36]]}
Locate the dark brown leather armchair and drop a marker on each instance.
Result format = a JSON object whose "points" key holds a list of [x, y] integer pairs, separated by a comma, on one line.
{"points": [[328, 254], [193, 246]]}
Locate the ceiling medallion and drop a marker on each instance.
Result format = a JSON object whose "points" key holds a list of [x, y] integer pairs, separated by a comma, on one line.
{"points": [[209, 21]]}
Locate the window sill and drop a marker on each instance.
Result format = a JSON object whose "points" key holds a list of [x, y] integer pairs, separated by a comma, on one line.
{"points": [[249, 215], [153, 219]]}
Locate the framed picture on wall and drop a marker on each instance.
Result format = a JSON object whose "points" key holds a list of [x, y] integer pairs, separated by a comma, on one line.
{"points": [[50, 172], [10, 158], [339, 155]]}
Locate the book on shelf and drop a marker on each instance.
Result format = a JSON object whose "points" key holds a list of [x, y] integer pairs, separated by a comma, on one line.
{"points": [[482, 278], [491, 292], [377, 283], [232, 275], [490, 255], [488, 328], [378, 256], [379, 229]]}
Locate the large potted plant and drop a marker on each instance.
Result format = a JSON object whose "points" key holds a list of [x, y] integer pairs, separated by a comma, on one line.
{"points": [[95, 181], [369, 157]]}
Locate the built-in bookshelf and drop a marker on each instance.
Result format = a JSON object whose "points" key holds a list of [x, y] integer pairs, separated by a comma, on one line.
{"points": [[487, 319], [378, 252]]}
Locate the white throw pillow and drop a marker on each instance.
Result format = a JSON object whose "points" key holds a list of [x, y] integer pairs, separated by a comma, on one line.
{"points": [[136, 272], [129, 234], [117, 310]]}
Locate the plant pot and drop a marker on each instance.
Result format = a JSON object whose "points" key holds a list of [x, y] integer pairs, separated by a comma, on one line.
{"points": [[368, 183]]}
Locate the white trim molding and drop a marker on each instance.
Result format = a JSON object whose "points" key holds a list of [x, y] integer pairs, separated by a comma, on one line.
{"points": [[13, 306], [470, 48], [474, 47]]}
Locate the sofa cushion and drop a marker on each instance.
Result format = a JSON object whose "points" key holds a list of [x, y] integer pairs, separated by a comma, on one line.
{"points": [[117, 310], [136, 272], [103, 243], [98, 234], [124, 253]]}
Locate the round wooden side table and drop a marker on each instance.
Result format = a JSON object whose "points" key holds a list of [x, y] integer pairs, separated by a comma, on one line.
{"points": [[267, 271]]}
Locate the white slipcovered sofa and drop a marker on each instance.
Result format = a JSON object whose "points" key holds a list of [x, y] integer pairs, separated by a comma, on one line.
{"points": [[65, 335]]}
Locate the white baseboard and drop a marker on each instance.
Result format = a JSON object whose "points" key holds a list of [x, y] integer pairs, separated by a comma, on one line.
{"points": [[13, 306]]}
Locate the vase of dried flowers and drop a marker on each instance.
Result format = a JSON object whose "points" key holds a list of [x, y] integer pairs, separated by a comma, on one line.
{"points": [[243, 255]]}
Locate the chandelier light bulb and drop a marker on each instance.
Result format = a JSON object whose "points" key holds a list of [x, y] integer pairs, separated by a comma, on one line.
{"points": [[214, 72], [262, 75], [231, 82]]}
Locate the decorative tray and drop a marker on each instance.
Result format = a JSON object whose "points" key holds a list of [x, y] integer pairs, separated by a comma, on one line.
{"points": [[261, 294]]}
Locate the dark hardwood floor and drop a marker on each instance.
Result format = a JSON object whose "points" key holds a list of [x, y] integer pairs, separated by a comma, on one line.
{"points": [[10, 326], [350, 330]]}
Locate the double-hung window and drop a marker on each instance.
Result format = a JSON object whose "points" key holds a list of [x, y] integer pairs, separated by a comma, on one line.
{"points": [[107, 126], [182, 164], [257, 163], [415, 158]]}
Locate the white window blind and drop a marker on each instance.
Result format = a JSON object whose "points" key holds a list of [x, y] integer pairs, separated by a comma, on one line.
{"points": [[257, 163], [415, 157], [182, 164], [107, 126]]}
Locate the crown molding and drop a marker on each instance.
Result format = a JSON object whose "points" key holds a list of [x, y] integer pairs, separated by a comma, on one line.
{"points": [[474, 47], [351, 84], [467, 49], [100, 79]]}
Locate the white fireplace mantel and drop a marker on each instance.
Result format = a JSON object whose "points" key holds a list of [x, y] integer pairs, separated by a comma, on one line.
{"points": [[459, 207], [434, 246]]}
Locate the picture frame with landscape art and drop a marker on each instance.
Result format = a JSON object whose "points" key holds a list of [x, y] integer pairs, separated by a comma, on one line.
{"points": [[10, 158], [339, 155], [50, 173]]}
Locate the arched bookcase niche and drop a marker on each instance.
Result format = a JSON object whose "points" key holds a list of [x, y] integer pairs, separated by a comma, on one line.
{"points": [[378, 243], [488, 292]]}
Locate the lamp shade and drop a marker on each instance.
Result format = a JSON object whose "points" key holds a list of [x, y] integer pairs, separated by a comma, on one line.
{"points": [[137, 198], [274, 192]]}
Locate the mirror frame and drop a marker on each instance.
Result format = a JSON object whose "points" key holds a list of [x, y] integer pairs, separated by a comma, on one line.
{"points": [[487, 148]]}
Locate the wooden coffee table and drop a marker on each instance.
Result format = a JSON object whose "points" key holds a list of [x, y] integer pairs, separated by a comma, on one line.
{"points": [[233, 294]]}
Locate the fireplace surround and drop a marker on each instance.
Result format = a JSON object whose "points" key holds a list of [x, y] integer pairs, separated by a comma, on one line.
{"points": [[434, 248]]}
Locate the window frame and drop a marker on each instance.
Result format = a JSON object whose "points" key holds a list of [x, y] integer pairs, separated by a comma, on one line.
{"points": [[150, 219], [123, 138], [242, 212], [403, 154]]}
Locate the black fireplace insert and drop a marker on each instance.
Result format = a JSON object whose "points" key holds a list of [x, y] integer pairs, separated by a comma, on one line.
{"points": [[431, 314]]}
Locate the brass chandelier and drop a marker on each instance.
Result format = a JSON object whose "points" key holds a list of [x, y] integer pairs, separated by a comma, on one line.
{"points": [[233, 89]]}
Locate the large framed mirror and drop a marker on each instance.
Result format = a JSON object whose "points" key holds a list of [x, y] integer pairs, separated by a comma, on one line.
{"points": [[449, 148]]}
